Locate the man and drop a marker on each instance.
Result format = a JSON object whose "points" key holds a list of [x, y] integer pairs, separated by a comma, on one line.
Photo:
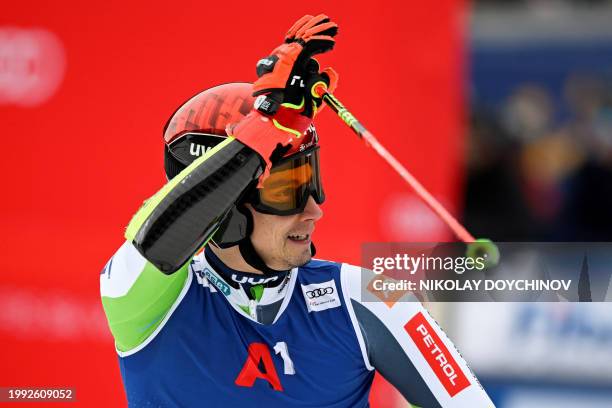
{"points": [[252, 319]]}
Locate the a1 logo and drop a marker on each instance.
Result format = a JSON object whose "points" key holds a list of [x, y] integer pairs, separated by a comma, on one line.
{"points": [[259, 354]]}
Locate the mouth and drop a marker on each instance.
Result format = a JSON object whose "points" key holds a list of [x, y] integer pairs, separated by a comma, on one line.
{"points": [[299, 238]]}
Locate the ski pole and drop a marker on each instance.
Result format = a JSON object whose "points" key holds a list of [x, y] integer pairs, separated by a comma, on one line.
{"points": [[475, 246]]}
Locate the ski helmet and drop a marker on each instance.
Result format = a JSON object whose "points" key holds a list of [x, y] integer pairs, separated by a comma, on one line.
{"points": [[199, 125]]}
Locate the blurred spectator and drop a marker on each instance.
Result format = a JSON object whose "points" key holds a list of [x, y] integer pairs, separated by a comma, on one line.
{"points": [[494, 204], [528, 112], [587, 211], [534, 177]]}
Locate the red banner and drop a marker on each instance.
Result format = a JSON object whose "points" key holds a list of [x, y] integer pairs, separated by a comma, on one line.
{"points": [[85, 90]]}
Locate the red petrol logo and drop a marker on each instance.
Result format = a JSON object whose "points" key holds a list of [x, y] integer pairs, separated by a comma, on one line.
{"points": [[437, 355]]}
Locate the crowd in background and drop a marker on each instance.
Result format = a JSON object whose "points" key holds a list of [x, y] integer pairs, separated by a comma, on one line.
{"points": [[537, 174], [539, 151]]}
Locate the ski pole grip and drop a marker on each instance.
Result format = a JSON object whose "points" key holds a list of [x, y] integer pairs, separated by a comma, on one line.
{"points": [[319, 89]]}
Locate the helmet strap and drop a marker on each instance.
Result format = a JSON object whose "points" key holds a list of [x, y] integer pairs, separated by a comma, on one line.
{"points": [[245, 245], [250, 255]]}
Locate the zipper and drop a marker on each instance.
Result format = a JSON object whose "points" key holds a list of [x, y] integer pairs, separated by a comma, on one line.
{"points": [[253, 309]]}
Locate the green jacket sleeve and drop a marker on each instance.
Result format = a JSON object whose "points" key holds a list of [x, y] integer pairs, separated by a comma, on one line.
{"points": [[137, 297]]}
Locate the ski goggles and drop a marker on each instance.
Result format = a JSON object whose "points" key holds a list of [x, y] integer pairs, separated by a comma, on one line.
{"points": [[290, 183]]}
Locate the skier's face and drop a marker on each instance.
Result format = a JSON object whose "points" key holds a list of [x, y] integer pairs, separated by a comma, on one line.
{"points": [[283, 242]]}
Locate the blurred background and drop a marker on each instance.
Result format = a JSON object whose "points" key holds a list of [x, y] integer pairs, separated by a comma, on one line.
{"points": [[538, 168], [502, 109]]}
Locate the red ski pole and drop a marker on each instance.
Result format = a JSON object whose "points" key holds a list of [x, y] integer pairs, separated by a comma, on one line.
{"points": [[475, 247]]}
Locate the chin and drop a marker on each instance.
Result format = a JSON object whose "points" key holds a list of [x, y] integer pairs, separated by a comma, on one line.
{"points": [[305, 260], [300, 260]]}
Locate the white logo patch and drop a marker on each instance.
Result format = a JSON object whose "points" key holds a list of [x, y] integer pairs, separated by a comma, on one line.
{"points": [[321, 296]]}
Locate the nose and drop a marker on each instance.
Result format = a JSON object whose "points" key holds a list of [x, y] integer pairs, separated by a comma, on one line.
{"points": [[312, 211]]}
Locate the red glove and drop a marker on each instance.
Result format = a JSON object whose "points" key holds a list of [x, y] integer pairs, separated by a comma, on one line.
{"points": [[286, 105]]}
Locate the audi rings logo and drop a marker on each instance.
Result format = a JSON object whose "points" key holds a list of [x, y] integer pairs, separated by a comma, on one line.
{"points": [[321, 296], [318, 292], [32, 66]]}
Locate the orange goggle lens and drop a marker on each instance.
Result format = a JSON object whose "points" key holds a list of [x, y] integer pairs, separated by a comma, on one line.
{"points": [[290, 184]]}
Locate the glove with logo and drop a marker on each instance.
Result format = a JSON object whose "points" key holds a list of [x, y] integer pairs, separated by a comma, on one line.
{"points": [[286, 104], [283, 75]]}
